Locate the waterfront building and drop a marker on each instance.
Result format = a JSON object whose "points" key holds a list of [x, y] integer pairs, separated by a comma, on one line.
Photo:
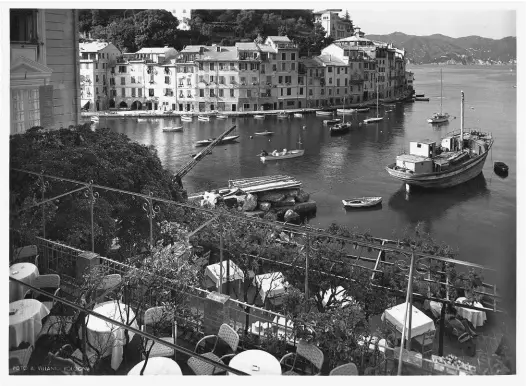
{"points": [[336, 79], [250, 77], [334, 25], [96, 60], [44, 68], [315, 82]]}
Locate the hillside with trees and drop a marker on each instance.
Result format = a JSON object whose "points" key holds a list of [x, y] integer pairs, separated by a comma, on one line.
{"points": [[130, 30]]}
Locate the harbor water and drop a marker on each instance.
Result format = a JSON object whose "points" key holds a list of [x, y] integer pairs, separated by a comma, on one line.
{"points": [[478, 218]]}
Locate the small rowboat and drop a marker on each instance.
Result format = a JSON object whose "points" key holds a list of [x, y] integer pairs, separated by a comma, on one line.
{"points": [[264, 133], [373, 120], [298, 115], [173, 128], [95, 119], [221, 116], [186, 118], [345, 111], [283, 115], [258, 116], [289, 154], [500, 167], [420, 95], [362, 202], [390, 106], [206, 142], [422, 99], [331, 121], [203, 118], [362, 110], [324, 113]]}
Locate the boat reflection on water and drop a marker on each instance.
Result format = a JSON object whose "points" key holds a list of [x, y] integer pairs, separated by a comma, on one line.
{"points": [[350, 210], [426, 205]]}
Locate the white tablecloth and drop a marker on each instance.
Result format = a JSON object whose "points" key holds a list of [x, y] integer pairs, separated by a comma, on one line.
{"points": [[26, 323], [25, 272], [256, 362], [157, 366], [213, 272], [476, 317], [420, 322], [108, 338], [270, 285]]}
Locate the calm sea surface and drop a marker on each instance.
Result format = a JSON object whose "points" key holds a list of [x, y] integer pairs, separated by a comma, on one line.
{"points": [[478, 218]]}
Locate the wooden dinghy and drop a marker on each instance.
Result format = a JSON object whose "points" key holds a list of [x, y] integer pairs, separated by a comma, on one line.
{"points": [[362, 202], [186, 118], [264, 133], [172, 129]]}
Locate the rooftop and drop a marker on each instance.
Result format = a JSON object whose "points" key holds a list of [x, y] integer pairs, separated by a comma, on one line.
{"points": [[331, 59], [154, 50], [95, 46]]}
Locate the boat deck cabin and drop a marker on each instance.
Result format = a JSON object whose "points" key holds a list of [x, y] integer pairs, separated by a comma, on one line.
{"points": [[415, 163]]}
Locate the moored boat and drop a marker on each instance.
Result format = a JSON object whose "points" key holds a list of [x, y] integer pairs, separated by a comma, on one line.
{"points": [[439, 117], [500, 167], [173, 128], [186, 118], [283, 114], [419, 95], [345, 111], [324, 113], [228, 139], [459, 157], [373, 120], [340, 128], [203, 118], [298, 115], [282, 155], [362, 202], [420, 99], [220, 116], [331, 121], [264, 133], [259, 116], [363, 110]]}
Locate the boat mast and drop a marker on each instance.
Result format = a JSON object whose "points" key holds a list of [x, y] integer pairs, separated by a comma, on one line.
{"points": [[461, 120], [440, 91], [376, 95], [343, 109]]}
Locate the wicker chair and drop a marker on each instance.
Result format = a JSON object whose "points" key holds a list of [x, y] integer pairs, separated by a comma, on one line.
{"points": [[306, 351], [45, 282], [18, 360], [158, 315], [200, 367], [227, 335], [346, 369], [26, 254]]}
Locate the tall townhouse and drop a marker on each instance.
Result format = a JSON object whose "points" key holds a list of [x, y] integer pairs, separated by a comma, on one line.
{"points": [[382, 67], [218, 83], [128, 83], [287, 54], [186, 84], [250, 76], [96, 60], [314, 82], [44, 68], [336, 79], [369, 85], [399, 72]]}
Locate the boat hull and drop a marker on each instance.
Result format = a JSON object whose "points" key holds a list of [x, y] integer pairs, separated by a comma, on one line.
{"points": [[365, 202], [372, 120], [324, 113], [438, 120], [440, 180]]}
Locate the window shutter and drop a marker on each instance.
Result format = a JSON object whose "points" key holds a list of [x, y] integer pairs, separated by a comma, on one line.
{"points": [[46, 105]]}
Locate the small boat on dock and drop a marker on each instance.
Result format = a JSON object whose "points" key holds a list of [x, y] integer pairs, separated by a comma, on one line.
{"points": [[500, 168], [220, 116], [186, 118], [264, 133], [259, 116], [206, 142], [324, 113], [331, 121], [362, 202], [203, 118], [172, 129]]}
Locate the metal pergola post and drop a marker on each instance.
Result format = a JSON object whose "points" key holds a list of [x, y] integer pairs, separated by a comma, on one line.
{"points": [[407, 309]]}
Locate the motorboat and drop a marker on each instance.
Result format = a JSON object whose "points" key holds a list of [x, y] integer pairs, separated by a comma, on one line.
{"points": [[220, 116], [324, 113], [345, 111], [259, 116], [203, 118], [439, 117], [457, 158], [331, 121], [173, 128], [264, 133], [298, 115], [228, 139], [362, 202], [186, 118], [373, 120], [500, 168]]}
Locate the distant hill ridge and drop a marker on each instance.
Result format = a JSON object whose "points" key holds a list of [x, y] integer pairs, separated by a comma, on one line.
{"points": [[439, 48]]}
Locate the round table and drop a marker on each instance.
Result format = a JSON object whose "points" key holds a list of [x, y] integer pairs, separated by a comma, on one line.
{"points": [[25, 272], [157, 366], [256, 362], [106, 337], [26, 323], [476, 317]]}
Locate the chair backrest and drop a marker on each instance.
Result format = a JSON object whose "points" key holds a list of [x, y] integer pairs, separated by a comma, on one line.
{"points": [[47, 281], [310, 352], [229, 335], [110, 281], [346, 369], [23, 252], [159, 315]]}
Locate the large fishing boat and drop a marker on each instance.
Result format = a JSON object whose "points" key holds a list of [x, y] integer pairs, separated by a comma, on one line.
{"points": [[458, 158]]}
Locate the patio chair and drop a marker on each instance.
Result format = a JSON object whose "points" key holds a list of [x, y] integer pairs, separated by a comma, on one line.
{"points": [[18, 360], [28, 253], [200, 367], [49, 283], [226, 339], [157, 317], [346, 369], [305, 351]]}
